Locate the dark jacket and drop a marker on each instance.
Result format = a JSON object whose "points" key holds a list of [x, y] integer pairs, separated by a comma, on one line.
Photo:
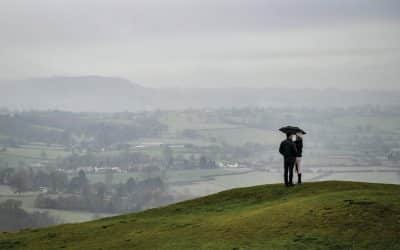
{"points": [[288, 149], [299, 147]]}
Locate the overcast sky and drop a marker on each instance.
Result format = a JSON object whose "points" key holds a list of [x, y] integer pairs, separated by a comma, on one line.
{"points": [[205, 43]]}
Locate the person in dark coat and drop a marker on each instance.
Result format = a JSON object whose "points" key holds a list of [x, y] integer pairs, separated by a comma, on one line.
{"points": [[289, 152], [297, 165]]}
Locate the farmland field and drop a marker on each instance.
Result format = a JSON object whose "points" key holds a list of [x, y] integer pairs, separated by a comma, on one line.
{"points": [[242, 135], [382, 123], [31, 153], [177, 121]]}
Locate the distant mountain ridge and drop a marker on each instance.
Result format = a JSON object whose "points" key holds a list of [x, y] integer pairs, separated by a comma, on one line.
{"points": [[114, 94], [84, 93]]}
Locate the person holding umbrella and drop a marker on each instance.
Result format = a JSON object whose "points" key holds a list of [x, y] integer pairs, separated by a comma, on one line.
{"points": [[299, 148], [291, 150]]}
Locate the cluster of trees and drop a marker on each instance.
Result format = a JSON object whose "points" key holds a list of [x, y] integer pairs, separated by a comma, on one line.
{"points": [[77, 193], [98, 197], [206, 163], [25, 179], [13, 217], [394, 155]]}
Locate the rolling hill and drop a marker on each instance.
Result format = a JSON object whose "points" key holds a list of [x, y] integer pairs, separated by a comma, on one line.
{"points": [[81, 93], [322, 215], [114, 94]]}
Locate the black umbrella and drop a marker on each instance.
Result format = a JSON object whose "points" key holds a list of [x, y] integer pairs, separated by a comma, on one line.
{"points": [[292, 130], [302, 131]]}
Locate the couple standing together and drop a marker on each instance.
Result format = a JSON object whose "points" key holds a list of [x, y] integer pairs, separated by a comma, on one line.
{"points": [[291, 149]]}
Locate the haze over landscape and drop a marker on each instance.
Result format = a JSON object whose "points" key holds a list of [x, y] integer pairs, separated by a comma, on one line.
{"points": [[150, 124]]}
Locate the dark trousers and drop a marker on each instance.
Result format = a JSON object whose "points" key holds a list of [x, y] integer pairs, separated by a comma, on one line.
{"points": [[288, 165]]}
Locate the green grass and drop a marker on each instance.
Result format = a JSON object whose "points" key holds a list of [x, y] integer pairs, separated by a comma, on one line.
{"points": [[323, 215], [65, 216]]}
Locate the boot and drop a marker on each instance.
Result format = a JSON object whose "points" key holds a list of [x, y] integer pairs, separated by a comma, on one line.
{"points": [[298, 178]]}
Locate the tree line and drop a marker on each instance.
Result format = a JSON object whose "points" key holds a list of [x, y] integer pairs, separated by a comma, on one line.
{"points": [[78, 193], [100, 198], [13, 217]]}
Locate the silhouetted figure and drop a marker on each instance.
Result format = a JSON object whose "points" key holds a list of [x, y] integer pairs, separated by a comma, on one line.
{"points": [[289, 151], [299, 147]]}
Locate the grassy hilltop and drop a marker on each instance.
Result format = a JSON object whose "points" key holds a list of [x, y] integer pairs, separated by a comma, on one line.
{"points": [[322, 215]]}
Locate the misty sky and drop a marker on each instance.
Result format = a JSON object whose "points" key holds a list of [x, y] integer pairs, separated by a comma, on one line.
{"points": [[205, 43]]}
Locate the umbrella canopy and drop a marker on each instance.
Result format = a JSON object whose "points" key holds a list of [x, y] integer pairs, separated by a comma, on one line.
{"points": [[292, 130]]}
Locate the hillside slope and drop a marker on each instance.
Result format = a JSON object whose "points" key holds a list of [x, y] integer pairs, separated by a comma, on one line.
{"points": [[83, 93], [113, 94], [323, 215]]}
